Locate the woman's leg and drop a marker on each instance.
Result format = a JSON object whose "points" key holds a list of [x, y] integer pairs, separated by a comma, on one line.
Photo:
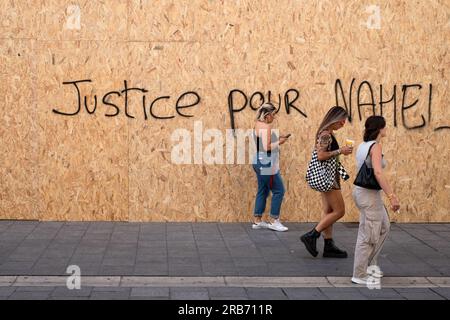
{"points": [[374, 225], [327, 233], [261, 195], [363, 248], [333, 199], [332, 207], [335, 208], [277, 195], [385, 227], [361, 251]]}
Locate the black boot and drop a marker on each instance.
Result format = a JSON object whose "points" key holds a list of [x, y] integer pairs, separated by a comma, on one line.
{"points": [[309, 239], [331, 251]]}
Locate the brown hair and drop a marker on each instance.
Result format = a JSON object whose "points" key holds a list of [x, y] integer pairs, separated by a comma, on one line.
{"points": [[333, 115]]}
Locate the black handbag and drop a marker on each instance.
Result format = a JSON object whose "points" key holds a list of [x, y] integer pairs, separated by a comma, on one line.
{"points": [[366, 176]]}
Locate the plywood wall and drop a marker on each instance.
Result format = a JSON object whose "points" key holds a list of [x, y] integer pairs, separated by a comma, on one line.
{"points": [[93, 167]]}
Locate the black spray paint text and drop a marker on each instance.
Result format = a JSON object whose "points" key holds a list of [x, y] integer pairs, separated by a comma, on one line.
{"points": [[410, 94], [148, 108], [400, 102]]}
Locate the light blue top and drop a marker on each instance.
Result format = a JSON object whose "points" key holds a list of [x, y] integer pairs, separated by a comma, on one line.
{"points": [[267, 157]]}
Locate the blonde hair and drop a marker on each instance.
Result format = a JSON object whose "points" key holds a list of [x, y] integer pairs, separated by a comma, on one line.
{"points": [[264, 110], [333, 115]]}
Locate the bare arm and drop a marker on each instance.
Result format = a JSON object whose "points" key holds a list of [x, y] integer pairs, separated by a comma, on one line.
{"points": [[265, 133], [376, 156], [322, 146]]}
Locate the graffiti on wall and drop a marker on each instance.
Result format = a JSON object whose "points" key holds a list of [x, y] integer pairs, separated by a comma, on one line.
{"points": [[402, 101]]}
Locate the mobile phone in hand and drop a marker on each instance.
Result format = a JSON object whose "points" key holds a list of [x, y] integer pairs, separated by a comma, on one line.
{"points": [[288, 135]]}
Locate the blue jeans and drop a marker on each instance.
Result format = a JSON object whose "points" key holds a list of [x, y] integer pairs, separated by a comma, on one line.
{"points": [[267, 183]]}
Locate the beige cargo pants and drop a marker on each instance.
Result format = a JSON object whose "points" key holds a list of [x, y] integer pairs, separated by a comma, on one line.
{"points": [[374, 226]]}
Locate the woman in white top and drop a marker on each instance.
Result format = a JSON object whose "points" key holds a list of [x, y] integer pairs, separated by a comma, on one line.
{"points": [[374, 222]]}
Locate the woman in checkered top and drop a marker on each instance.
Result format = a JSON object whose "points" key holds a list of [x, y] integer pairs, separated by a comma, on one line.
{"points": [[333, 203]]}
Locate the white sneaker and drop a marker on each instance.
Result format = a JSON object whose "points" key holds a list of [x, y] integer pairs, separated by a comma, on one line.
{"points": [[360, 280], [367, 281], [277, 226], [375, 271], [260, 225]]}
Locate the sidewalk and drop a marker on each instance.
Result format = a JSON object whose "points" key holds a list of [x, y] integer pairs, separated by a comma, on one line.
{"points": [[211, 261]]}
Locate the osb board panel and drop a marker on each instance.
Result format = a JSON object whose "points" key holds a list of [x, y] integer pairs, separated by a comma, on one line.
{"points": [[256, 70], [64, 20], [93, 167], [18, 132], [289, 21], [160, 190], [17, 19], [83, 159], [419, 180]]}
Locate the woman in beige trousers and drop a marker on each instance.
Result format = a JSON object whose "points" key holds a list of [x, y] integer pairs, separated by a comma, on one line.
{"points": [[374, 222]]}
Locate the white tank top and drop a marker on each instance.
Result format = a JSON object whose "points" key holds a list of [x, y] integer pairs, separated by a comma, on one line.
{"points": [[361, 155]]}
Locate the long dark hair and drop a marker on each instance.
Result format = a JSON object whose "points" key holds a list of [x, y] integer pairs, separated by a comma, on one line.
{"points": [[373, 126], [333, 115]]}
